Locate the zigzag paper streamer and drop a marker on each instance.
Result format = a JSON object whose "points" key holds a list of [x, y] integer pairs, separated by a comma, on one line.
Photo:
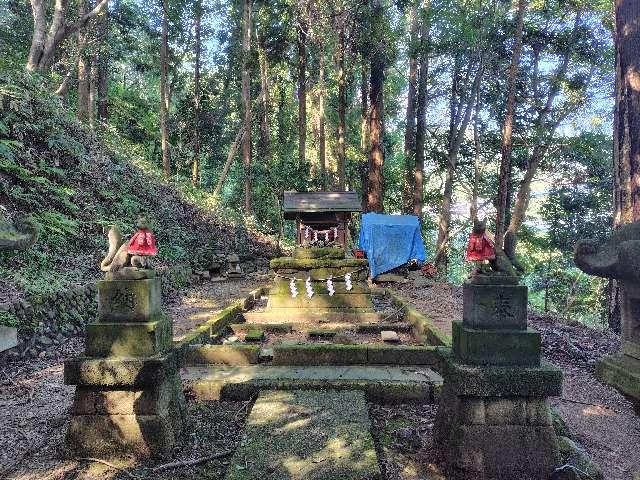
{"points": [[306, 233], [309, 288], [292, 287], [330, 287], [347, 282]]}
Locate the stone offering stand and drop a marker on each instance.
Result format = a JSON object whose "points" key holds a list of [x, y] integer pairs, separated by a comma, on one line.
{"points": [[128, 395]]}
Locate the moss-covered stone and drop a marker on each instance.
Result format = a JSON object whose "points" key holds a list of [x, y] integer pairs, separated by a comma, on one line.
{"points": [[129, 300], [291, 263], [281, 287], [133, 373], [320, 301], [496, 347], [319, 354], [255, 335], [242, 328], [222, 355], [319, 252], [322, 333], [98, 401], [623, 372], [495, 306], [500, 381], [423, 327], [143, 339], [402, 355], [110, 435]]}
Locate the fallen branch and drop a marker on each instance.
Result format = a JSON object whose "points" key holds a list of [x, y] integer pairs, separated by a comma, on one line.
{"points": [[110, 465], [190, 463]]}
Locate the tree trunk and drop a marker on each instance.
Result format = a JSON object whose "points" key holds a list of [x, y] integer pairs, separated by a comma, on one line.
{"points": [[102, 100], [477, 169], [626, 147], [302, 92], [342, 107], [93, 91], [246, 103], [196, 167], [457, 129], [410, 128], [84, 66], [322, 137], [265, 136], [364, 132], [164, 93], [507, 128], [421, 120], [43, 43], [376, 119]]}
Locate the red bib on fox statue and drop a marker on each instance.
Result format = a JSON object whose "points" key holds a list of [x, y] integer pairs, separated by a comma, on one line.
{"points": [[143, 243], [480, 246]]}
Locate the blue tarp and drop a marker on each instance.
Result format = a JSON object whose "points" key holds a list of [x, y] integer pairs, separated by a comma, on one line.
{"points": [[390, 241]]}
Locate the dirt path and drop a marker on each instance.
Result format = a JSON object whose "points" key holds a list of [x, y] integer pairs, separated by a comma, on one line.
{"points": [[599, 418]]}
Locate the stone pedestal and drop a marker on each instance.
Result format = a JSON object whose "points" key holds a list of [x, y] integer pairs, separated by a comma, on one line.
{"points": [[318, 264], [128, 397], [622, 370], [494, 420]]}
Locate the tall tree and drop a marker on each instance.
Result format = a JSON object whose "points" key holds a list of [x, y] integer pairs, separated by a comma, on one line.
{"points": [[246, 103], [102, 31], [460, 109], [164, 89], [364, 130], [45, 42], [626, 145], [195, 170], [421, 110], [84, 66], [375, 196], [342, 101], [507, 127], [322, 121], [302, 88], [410, 127]]}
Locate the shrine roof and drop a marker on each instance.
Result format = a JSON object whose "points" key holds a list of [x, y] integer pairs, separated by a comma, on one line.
{"points": [[316, 202]]}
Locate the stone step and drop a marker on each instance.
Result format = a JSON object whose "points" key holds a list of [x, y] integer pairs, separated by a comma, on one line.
{"points": [[384, 384], [241, 328], [307, 435], [339, 300], [298, 315]]}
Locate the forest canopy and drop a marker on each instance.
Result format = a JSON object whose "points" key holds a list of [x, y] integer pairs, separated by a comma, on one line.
{"points": [[449, 110]]}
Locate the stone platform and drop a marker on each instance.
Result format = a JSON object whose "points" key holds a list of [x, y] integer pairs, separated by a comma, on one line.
{"points": [[385, 384], [306, 435]]}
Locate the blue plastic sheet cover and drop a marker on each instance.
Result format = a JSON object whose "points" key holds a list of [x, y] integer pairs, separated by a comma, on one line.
{"points": [[390, 241]]}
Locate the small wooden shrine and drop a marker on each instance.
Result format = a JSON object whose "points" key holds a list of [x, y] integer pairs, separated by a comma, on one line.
{"points": [[321, 217]]}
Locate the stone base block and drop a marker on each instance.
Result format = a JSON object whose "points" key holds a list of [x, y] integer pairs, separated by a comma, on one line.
{"points": [[129, 300], [115, 435], [495, 307], [128, 339], [495, 438], [321, 300], [496, 347], [96, 401], [501, 381], [119, 373], [319, 252], [623, 372]]}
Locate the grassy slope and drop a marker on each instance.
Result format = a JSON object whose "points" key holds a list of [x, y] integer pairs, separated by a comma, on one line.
{"points": [[74, 183]]}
